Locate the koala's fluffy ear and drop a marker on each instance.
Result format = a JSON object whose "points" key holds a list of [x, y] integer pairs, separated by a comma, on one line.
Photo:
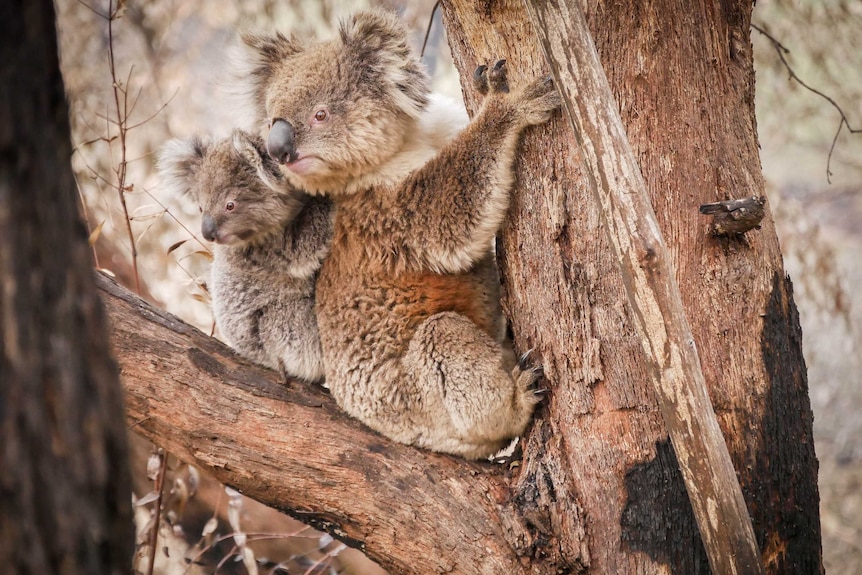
{"points": [[253, 151], [268, 51], [257, 60], [377, 41], [178, 161]]}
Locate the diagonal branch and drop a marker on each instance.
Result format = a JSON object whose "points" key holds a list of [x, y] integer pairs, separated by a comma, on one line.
{"points": [[290, 447]]}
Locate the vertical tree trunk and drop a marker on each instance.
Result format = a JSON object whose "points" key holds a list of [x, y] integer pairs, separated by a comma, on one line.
{"points": [[64, 482], [599, 456]]}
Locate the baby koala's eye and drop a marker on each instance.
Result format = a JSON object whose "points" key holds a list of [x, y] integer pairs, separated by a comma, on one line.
{"points": [[229, 207], [321, 116]]}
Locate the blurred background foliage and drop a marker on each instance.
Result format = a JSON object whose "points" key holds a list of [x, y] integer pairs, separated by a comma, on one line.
{"points": [[170, 61]]}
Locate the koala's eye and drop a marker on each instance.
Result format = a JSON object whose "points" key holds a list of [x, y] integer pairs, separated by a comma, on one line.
{"points": [[321, 116], [229, 207]]}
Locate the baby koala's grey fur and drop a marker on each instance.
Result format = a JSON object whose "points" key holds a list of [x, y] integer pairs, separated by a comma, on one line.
{"points": [[269, 242]]}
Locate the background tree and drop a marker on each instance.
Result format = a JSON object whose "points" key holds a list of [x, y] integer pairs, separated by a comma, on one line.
{"points": [[65, 498]]}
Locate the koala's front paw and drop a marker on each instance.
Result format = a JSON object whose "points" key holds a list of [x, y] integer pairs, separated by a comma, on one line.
{"points": [[492, 80], [539, 100]]}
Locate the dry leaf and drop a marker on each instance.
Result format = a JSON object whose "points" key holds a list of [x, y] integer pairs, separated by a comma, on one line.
{"points": [[248, 561], [148, 498], [175, 246], [154, 464], [94, 235], [209, 527], [206, 254]]}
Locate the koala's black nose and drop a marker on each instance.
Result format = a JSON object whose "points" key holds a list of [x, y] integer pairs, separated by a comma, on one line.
{"points": [[280, 142], [209, 228]]}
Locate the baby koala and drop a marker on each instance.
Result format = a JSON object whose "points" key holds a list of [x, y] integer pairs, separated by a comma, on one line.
{"points": [[269, 242], [409, 323]]}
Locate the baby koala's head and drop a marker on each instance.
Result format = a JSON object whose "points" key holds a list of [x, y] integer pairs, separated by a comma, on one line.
{"points": [[242, 194]]}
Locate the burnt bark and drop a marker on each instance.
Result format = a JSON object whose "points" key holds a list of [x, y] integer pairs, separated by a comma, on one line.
{"points": [[651, 290], [65, 496]]}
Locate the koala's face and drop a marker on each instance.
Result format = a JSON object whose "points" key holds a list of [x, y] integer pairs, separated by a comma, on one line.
{"points": [[239, 189], [336, 110]]}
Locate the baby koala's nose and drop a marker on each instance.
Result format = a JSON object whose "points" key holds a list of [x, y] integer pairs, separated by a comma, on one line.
{"points": [[209, 228], [280, 142]]}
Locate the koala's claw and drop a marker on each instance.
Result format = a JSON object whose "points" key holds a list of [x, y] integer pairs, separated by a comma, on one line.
{"points": [[540, 99], [480, 79], [492, 79], [497, 77], [523, 361]]}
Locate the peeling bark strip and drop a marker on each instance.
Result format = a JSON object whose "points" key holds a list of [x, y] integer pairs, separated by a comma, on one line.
{"points": [[651, 289], [290, 447]]}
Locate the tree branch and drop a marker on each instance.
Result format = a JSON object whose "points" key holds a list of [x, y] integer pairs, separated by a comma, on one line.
{"points": [[290, 447]]}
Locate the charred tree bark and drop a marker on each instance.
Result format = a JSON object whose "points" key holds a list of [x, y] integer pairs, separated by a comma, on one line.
{"points": [[65, 496], [683, 82]]}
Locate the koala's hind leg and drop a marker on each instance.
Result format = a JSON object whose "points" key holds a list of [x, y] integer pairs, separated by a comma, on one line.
{"points": [[462, 373]]}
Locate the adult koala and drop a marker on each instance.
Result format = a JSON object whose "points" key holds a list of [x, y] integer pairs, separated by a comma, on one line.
{"points": [[410, 329]]}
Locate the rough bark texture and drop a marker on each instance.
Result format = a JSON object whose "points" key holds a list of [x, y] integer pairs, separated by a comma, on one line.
{"points": [[682, 78], [65, 496], [650, 285]]}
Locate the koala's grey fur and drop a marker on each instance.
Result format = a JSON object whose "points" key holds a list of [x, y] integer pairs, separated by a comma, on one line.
{"points": [[408, 322], [267, 251]]}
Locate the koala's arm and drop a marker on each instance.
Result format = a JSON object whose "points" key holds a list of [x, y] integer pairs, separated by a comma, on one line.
{"points": [[455, 204], [307, 241]]}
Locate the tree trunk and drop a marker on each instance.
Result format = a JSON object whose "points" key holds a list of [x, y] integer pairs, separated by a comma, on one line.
{"points": [[598, 458], [650, 285], [65, 497]]}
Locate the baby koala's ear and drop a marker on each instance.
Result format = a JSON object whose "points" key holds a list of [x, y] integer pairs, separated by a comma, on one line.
{"points": [[178, 162], [253, 152]]}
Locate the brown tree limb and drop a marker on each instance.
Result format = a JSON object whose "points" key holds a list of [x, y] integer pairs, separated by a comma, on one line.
{"points": [[653, 294], [290, 447]]}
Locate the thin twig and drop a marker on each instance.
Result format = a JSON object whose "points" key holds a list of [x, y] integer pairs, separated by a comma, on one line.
{"points": [[121, 126], [173, 217], [85, 213], [782, 50], [157, 512], [250, 538], [428, 30], [326, 559]]}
